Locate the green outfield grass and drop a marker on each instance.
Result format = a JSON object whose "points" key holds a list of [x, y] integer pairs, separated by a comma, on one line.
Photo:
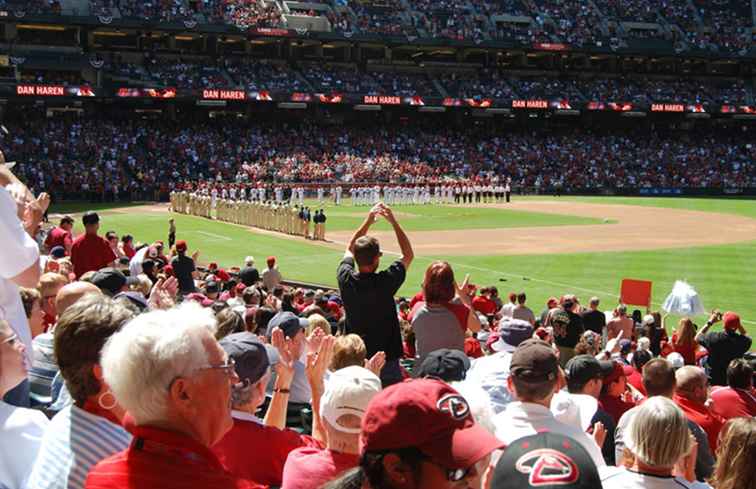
{"points": [[722, 274]]}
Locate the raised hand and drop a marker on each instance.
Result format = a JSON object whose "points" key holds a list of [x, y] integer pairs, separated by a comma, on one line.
{"points": [[319, 361], [376, 363], [285, 366], [599, 433]]}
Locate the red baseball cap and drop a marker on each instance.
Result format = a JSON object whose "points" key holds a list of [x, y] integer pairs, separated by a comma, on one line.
{"points": [[223, 275], [431, 416], [181, 245], [731, 321], [618, 370]]}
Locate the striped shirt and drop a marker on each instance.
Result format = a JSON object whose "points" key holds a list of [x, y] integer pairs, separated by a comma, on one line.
{"points": [[74, 442]]}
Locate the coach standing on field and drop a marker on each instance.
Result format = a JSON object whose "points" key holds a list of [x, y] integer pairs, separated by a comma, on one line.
{"points": [[368, 295]]}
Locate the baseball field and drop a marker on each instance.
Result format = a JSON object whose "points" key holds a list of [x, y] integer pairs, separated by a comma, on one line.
{"points": [[541, 245]]}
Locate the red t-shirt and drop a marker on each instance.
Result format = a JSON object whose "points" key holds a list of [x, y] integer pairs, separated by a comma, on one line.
{"points": [[688, 352], [615, 406], [734, 403], [90, 253], [704, 417], [484, 305], [264, 466], [636, 380], [129, 251], [159, 459], [58, 237], [311, 468]]}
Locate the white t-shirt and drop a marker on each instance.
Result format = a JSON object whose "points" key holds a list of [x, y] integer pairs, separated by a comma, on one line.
{"points": [[618, 478], [520, 419], [135, 265], [19, 253], [21, 432]]}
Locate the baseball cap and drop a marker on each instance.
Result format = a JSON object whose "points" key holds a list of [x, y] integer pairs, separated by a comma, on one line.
{"points": [[90, 217], [648, 320], [546, 460], [200, 298], [249, 354], [559, 316], [111, 280], [271, 260], [534, 361], [618, 370], [431, 416], [289, 323], [181, 245], [676, 360], [446, 364], [511, 334], [348, 391], [211, 287], [582, 368], [731, 321], [222, 275], [58, 252]]}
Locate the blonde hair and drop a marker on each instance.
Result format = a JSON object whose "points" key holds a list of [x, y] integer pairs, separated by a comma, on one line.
{"points": [[347, 351], [144, 286], [50, 283], [735, 455], [318, 321], [658, 434]]}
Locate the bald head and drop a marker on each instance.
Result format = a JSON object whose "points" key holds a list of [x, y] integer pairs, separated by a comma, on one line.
{"points": [[69, 294]]}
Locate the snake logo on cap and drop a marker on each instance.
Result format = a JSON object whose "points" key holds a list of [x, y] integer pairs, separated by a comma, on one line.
{"points": [[454, 405], [547, 467]]}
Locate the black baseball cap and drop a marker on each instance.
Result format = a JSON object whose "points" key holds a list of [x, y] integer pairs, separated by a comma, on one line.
{"points": [[289, 323], [534, 360], [111, 280], [90, 217], [583, 368], [249, 354], [547, 461], [446, 364]]}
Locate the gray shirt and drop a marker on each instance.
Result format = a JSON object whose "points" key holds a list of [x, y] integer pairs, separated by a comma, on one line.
{"points": [[436, 327], [524, 313]]}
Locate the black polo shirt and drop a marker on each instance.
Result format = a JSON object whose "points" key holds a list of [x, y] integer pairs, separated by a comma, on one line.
{"points": [[724, 347], [370, 308], [594, 321]]}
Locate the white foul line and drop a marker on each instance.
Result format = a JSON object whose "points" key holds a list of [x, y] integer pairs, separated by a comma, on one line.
{"points": [[213, 235]]}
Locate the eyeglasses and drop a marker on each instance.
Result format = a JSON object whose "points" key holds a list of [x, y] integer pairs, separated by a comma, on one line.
{"points": [[11, 340], [229, 368]]}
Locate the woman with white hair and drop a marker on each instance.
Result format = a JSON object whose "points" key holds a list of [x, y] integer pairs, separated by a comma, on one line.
{"points": [[658, 445], [21, 429], [169, 373]]}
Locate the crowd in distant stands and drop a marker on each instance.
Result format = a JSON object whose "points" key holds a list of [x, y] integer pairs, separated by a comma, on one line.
{"points": [[133, 362], [128, 158]]}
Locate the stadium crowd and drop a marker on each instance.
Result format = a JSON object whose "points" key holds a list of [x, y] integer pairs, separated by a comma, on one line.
{"points": [[123, 158], [131, 365]]}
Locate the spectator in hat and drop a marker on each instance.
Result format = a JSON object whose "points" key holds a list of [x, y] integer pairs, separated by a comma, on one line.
{"points": [[446, 364], [567, 333], [89, 430], [534, 379], [420, 433], [293, 328], [249, 274], [635, 378], [112, 281], [659, 380], [585, 377], [212, 290], [444, 317], [368, 295], [342, 408], [593, 319], [252, 360], [548, 461], [739, 397], [692, 395], [184, 269], [176, 385], [271, 277], [723, 346], [617, 396], [683, 341], [62, 235], [654, 329], [657, 438], [90, 252], [58, 253], [737, 451], [512, 332], [620, 322], [521, 311]]}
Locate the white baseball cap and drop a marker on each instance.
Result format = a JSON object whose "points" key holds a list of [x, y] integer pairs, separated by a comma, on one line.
{"points": [[348, 391]]}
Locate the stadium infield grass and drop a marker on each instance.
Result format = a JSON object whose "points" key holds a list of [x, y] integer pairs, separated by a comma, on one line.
{"points": [[723, 275]]}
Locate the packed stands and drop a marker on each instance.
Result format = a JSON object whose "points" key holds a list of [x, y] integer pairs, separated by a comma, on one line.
{"points": [[264, 75]]}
